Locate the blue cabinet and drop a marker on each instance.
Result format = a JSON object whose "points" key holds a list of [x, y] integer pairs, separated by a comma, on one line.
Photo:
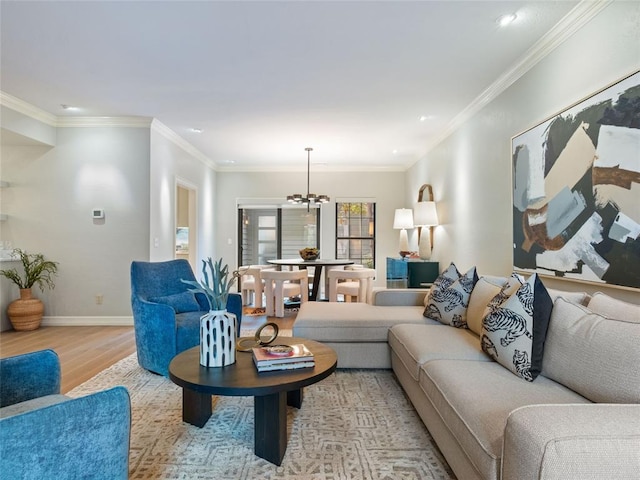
{"points": [[412, 272], [422, 274]]}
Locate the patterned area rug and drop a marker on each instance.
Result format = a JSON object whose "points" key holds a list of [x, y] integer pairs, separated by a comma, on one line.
{"points": [[356, 424]]}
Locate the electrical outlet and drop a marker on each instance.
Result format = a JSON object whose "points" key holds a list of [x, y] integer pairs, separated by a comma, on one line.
{"points": [[99, 298]]}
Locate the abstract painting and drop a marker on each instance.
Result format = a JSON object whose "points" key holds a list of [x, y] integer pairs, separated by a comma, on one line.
{"points": [[576, 190]]}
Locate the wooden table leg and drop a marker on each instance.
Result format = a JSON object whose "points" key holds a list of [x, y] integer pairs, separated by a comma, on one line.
{"points": [[270, 418], [315, 290], [294, 398], [196, 407]]}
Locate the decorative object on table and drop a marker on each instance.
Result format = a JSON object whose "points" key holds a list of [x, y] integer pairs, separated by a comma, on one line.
{"points": [[402, 220], [26, 312], [575, 190], [310, 197], [309, 253], [425, 215], [245, 344], [282, 357], [218, 330]]}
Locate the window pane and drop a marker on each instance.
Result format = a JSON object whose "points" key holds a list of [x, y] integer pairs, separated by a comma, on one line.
{"points": [[355, 232]]}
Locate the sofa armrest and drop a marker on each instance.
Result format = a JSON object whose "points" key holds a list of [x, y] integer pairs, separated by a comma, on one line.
{"points": [[28, 376], [581, 441], [399, 297], [86, 437]]}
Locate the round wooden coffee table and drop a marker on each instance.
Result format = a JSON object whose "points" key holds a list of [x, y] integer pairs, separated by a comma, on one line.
{"points": [[272, 391]]}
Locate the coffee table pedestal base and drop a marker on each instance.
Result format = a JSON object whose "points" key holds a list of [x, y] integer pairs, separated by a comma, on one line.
{"points": [[196, 407], [270, 419]]}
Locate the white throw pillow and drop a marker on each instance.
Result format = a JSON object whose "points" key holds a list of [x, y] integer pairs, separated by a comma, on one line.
{"points": [[450, 295], [513, 333]]}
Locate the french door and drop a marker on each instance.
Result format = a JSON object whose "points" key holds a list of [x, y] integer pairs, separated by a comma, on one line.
{"points": [[270, 232]]}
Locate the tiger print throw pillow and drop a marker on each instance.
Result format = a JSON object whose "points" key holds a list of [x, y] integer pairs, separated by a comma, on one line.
{"points": [[514, 330], [449, 297]]}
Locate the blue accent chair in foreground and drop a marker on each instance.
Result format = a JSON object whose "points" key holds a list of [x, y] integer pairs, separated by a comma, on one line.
{"points": [[166, 316], [45, 435]]}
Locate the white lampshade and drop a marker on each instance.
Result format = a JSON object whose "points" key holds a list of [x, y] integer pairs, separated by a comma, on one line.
{"points": [[425, 214], [403, 218]]}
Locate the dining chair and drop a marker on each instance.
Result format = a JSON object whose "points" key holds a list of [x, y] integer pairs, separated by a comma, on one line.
{"points": [[358, 283], [252, 284], [280, 285]]}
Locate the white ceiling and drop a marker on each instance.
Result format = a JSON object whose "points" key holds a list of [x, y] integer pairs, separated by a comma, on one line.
{"points": [[264, 80]]}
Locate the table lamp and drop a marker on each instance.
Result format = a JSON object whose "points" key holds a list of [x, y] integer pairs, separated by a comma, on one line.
{"points": [[425, 215], [402, 220]]}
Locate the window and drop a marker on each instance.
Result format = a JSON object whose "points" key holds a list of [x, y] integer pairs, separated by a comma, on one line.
{"points": [[267, 233], [356, 232]]}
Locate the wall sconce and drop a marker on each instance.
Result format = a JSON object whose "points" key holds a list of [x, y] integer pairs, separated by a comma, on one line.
{"points": [[402, 220], [425, 215]]}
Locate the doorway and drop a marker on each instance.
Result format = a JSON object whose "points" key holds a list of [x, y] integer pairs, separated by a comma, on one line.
{"points": [[186, 224]]}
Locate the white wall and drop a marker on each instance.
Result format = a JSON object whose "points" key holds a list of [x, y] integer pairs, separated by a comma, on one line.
{"points": [[49, 202], [170, 165], [384, 188], [471, 170]]}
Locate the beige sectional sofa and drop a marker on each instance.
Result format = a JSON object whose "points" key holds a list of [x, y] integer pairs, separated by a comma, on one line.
{"points": [[579, 419]]}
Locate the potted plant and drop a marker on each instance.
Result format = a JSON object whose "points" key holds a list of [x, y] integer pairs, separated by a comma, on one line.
{"points": [[217, 327], [26, 312]]}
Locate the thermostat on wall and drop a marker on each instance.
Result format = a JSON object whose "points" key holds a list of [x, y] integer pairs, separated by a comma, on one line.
{"points": [[97, 213]]}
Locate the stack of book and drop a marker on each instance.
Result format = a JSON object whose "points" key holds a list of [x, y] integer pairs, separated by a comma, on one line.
{"points": [[282, 357]]}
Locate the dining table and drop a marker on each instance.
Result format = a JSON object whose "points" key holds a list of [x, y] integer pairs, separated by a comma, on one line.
{"points": [[318, 265]]}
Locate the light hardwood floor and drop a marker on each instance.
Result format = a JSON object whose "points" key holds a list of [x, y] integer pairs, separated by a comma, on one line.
{"points": [[86, 351], [83, 351]]}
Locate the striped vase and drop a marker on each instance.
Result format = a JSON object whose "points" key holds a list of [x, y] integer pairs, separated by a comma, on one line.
{"points": [[217, 338]]}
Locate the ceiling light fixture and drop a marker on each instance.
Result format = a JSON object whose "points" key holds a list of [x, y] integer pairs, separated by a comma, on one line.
{"points": [[507, 19], [68, 107], [311, 197], [196, 130]]}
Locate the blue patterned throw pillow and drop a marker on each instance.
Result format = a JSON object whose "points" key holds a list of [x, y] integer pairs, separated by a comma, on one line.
{"points": [[449, 297], [514, 331]]}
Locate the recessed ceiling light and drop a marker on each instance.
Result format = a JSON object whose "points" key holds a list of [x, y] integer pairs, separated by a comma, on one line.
{"points": [[69, 108], [507, 19], [395, 152], [424, 118], [229, 162], [196, 130]]}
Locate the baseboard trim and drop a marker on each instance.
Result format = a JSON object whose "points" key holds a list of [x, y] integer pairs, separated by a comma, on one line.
{"points": [[87, 321]]}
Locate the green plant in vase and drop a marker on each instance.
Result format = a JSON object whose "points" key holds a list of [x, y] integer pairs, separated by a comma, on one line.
{"points": [[26, 312], [217, 287], [217, 327]]}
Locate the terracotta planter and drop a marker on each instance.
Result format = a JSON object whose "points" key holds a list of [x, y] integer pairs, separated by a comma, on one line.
{"points": [[26, 312]]}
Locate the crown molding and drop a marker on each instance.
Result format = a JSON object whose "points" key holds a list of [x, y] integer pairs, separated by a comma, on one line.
{"points": [[160, 128], [27, 109], [134, 122], [573, 21]]}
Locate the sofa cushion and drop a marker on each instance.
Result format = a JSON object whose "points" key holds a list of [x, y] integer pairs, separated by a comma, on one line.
{"points": [[580, 298], [474, 400], [180, 302], [417, 344], [614, 308], [449, 297], [596, 356], [352, 322], [513, 333]]}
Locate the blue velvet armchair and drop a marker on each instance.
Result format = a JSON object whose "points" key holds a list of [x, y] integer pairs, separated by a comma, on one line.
{"points": [[47, 435], [166, 316]]}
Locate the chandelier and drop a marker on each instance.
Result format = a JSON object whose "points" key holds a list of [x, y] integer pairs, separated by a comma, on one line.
{"points": [[310, 197]]}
